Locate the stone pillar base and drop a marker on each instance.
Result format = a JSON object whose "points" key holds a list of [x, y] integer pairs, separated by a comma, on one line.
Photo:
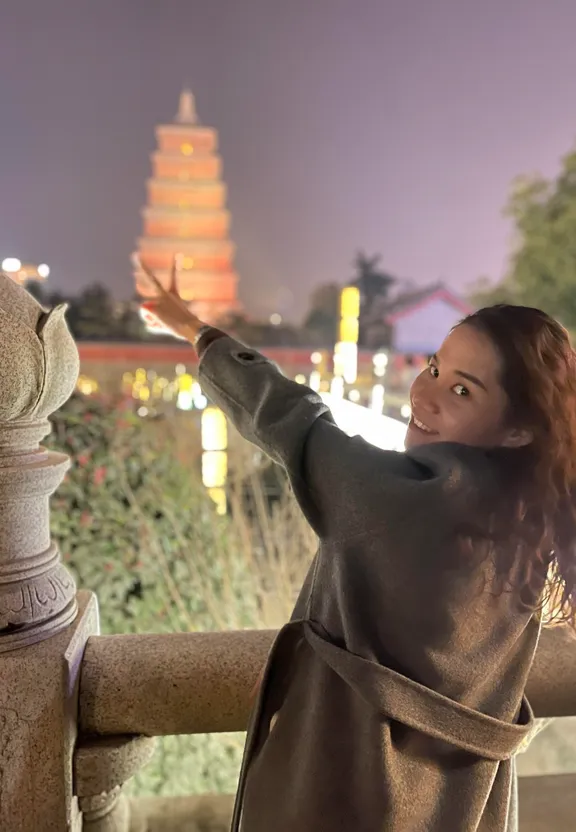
{"points": [[38, 718]]}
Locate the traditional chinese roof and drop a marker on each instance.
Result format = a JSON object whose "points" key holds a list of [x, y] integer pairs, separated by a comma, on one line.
{"points": [[407, 302]]}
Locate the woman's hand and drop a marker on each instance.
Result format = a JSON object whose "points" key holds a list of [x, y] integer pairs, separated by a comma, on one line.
{"points": [[169, 307]]}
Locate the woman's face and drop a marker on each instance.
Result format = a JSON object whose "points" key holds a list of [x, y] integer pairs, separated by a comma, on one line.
{"points": [[459, 397]]}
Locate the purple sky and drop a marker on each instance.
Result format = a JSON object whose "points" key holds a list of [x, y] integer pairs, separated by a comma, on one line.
{"points": [[393, 126]]}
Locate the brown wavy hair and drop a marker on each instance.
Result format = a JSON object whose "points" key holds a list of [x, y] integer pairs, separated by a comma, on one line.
{"points": [[538, 518]]}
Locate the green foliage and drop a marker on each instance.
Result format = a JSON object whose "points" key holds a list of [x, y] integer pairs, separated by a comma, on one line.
{"points": [[113, 520], [136, 527], [542, 269]]}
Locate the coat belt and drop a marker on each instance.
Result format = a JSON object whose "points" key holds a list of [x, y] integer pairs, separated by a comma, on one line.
{"points": [[399, 698]]}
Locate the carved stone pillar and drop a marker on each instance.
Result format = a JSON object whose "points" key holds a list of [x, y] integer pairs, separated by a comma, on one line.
{"points": [[43, 624]]}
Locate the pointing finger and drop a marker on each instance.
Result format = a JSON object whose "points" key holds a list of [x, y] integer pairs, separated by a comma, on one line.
{"points": [[173, 288], [151, 277]]}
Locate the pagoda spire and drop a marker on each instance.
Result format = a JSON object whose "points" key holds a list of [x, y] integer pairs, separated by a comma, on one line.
{"points": [[186, 108]]}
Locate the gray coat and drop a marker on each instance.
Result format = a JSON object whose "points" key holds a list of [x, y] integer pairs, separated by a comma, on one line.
{"points": [[393, 700]]}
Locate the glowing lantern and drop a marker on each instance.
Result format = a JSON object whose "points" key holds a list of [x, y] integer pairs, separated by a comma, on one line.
{"points": [[214, 430], [215, 456], [346, 350]]}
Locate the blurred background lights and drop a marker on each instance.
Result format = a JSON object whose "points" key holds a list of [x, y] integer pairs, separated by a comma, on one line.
{"points": [[377, 398], [315, 380], [11, 264], [380, 361], [337, 387]]}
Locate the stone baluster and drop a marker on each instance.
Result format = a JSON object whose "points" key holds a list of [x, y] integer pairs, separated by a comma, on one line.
{"points": [[44, 624], [101, 767]]}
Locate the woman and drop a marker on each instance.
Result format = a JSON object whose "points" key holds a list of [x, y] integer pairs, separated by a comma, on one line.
{"points": [[394, 698]]}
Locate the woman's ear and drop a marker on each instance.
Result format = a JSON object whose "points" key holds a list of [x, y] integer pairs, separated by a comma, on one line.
{"points": [[518, 438]]}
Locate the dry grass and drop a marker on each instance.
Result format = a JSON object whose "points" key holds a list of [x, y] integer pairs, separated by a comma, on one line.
{"points": [[241, 571], [248, 567]]}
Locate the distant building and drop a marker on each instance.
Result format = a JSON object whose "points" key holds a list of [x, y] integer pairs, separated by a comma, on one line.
{"points": [[186, 216], [415, 322]]}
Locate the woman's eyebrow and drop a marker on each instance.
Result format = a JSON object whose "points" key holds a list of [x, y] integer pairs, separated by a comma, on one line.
{"points": [[468, 376]]}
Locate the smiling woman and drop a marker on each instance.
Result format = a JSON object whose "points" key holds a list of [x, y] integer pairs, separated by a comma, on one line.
{"points": [[460, 397], [394, 699], [506, 378]]}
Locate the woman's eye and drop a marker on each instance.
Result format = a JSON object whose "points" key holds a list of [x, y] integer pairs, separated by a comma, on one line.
{"points": [[433, 370], [460, 390]]}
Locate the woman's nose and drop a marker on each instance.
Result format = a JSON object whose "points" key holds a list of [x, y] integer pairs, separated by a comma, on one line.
{"points": [[425, 402]]}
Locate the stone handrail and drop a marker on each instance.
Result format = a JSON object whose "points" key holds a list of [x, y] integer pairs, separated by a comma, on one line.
{"points": [[195, 683], [188, 683]]}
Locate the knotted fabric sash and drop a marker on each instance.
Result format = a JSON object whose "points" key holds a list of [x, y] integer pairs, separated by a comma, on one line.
{"points": [[395, 697], [399, 698]]}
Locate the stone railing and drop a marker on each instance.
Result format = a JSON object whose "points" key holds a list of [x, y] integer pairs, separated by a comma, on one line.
{"points": [[79, 711]]}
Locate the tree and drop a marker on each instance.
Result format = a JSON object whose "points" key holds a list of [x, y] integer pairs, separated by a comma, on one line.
{"points": [[542, 270], [370, 279], [94, 314], [374, 285], [129, 326], [321, 322]]}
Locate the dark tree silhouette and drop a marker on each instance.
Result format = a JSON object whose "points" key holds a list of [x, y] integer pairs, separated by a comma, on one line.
{"points": [[374, 285], [321, 322], [372, 281], [94, 314]]}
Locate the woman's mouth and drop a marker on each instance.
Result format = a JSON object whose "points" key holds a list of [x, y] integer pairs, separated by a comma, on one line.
{"points": [[415, 422]]}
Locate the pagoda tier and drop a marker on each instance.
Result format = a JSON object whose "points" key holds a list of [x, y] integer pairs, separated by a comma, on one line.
{"points": [[180, 168], [186, 194], [186, 217], [187, 223]]}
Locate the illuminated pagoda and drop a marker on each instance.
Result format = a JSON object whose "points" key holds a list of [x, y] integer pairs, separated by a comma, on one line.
{"points": [[186, 217]]}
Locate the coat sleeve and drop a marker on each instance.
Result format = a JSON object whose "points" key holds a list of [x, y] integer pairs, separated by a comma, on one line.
{"points": [[294, 427]]}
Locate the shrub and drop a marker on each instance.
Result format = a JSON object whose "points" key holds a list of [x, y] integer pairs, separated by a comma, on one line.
{"points": [[136, 527]]}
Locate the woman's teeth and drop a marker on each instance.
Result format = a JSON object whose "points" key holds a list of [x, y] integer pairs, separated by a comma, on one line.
{"points": [[421, 425]]}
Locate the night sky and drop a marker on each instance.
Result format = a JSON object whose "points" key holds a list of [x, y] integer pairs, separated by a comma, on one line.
{"points": [[392, 126]]}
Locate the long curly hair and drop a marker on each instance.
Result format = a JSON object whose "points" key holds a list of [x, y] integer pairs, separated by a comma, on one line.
{"points": [[538, 517]]}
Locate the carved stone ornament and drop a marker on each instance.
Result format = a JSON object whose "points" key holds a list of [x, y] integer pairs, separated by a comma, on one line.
{"points": [[38, 371]]}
